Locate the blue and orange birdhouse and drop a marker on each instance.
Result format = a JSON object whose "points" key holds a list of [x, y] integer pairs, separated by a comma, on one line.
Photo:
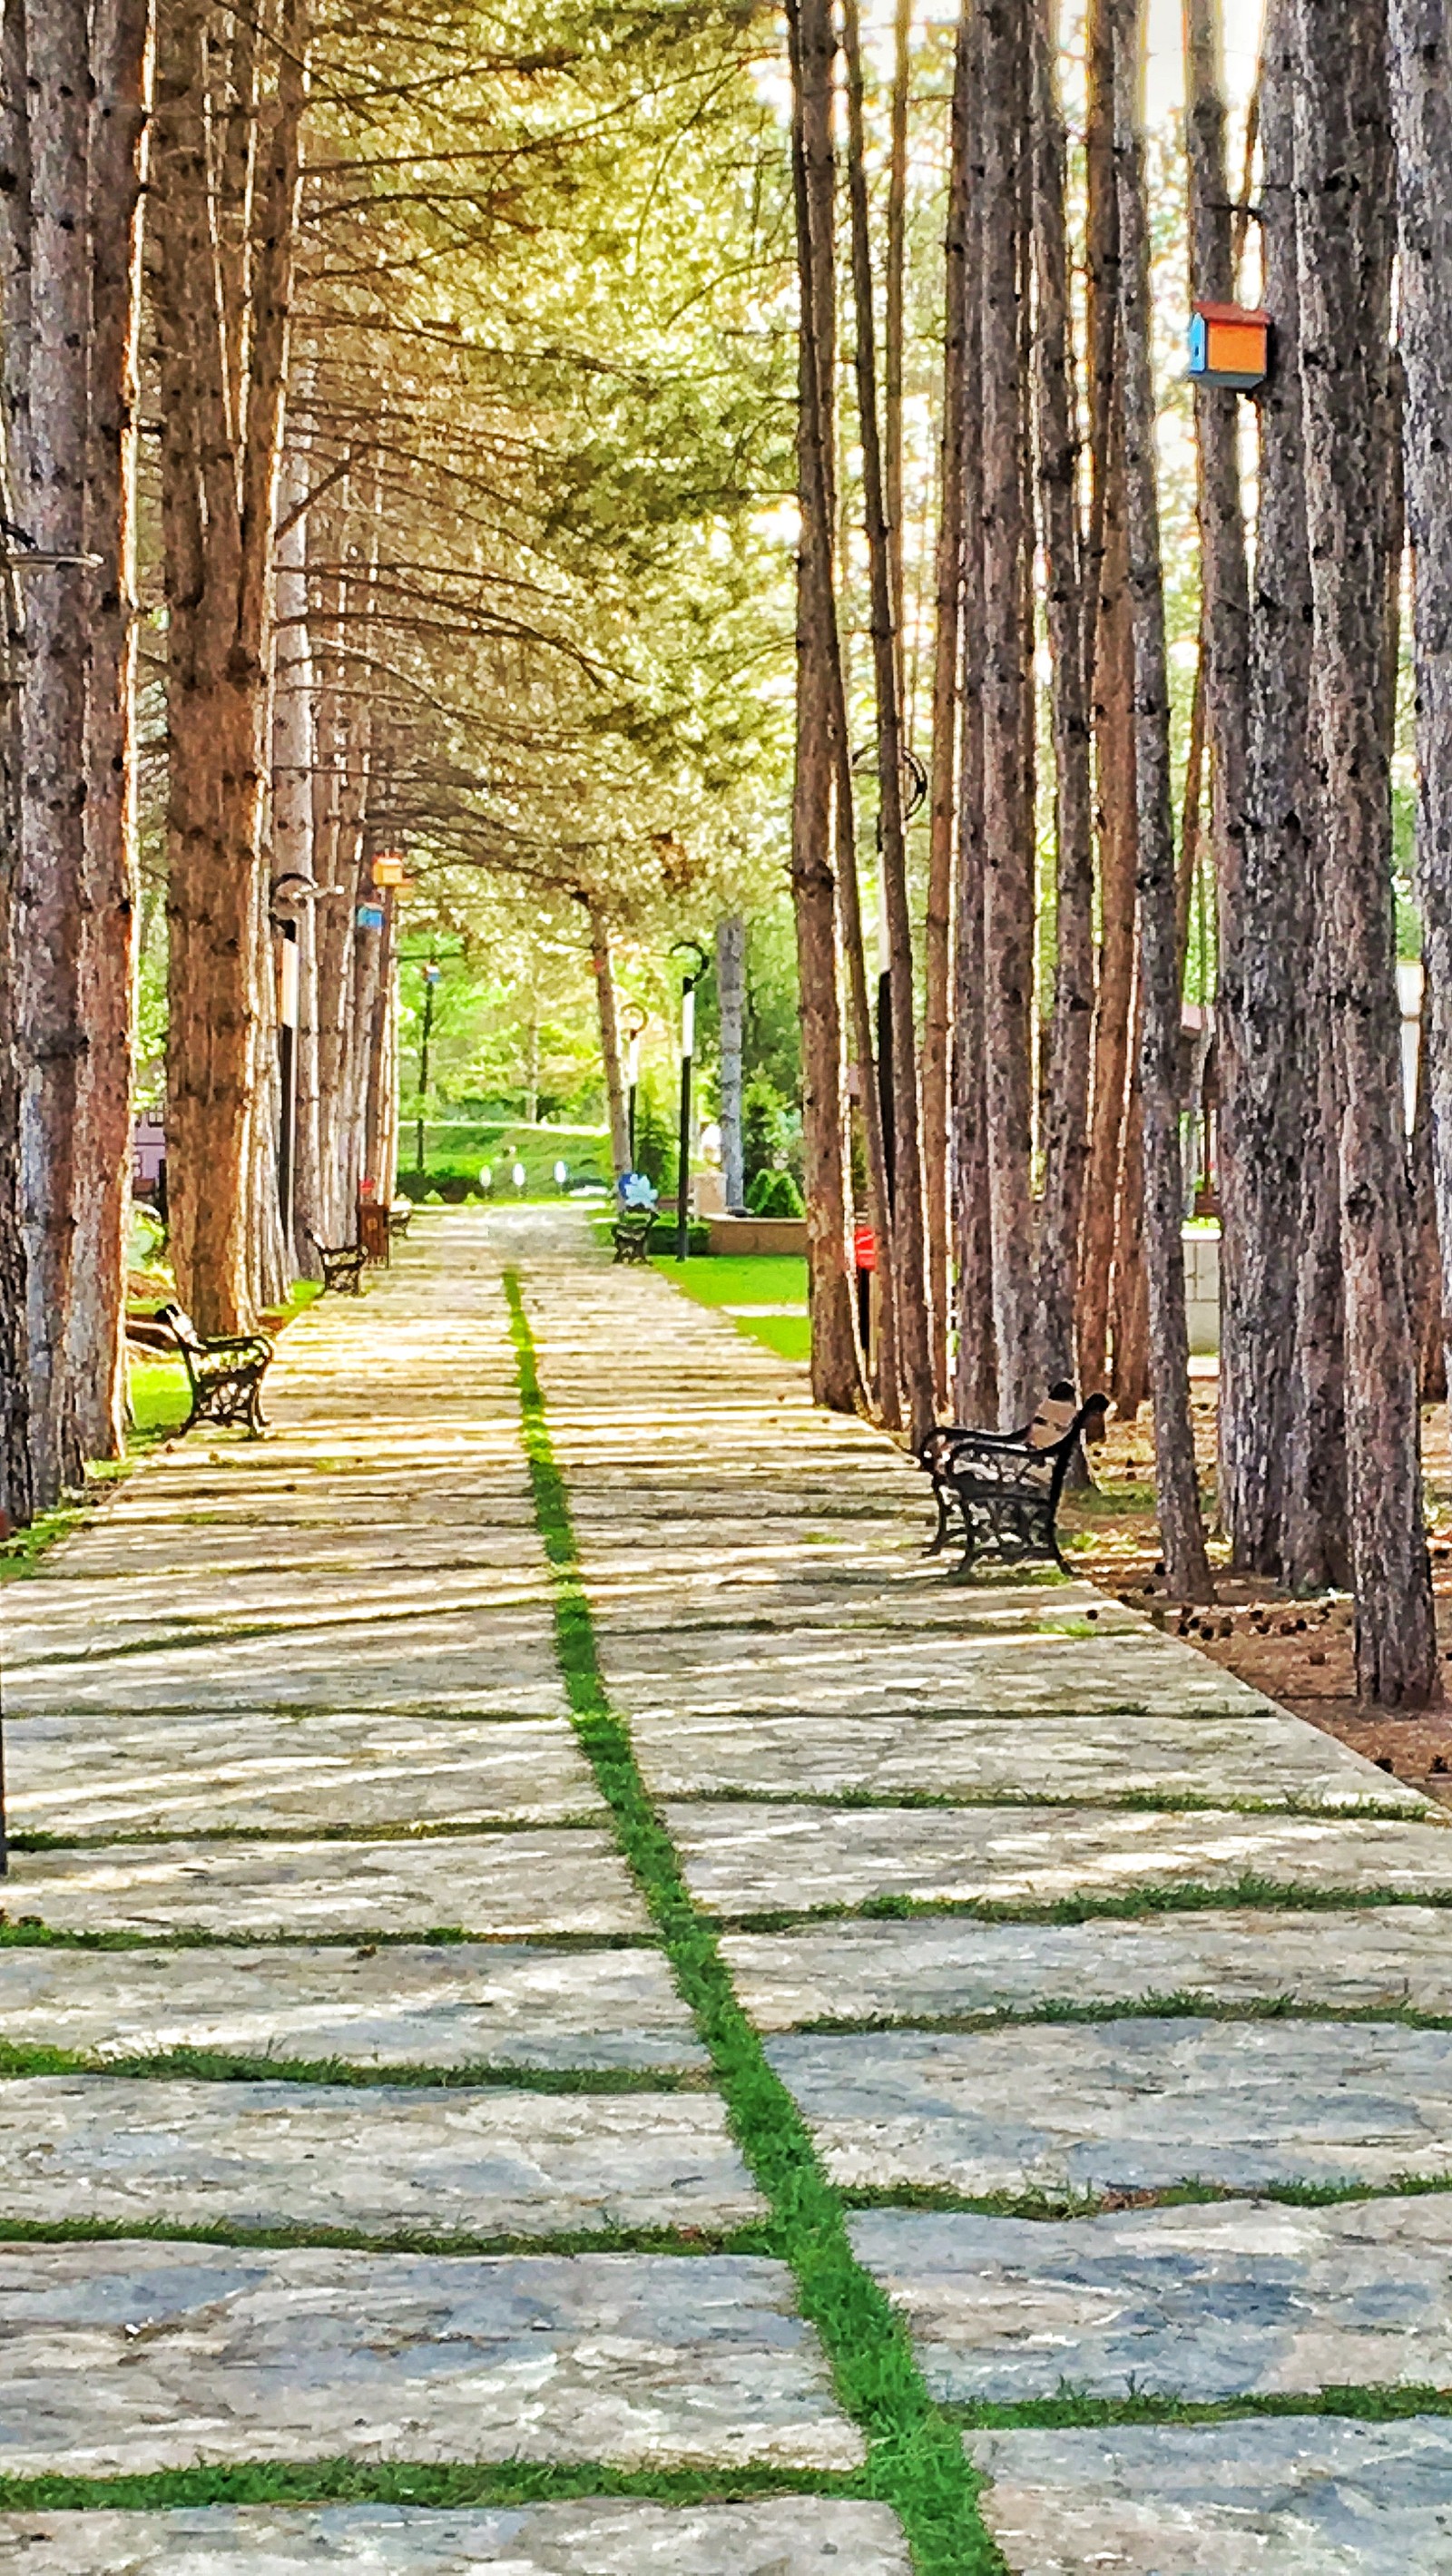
{"points": [[1229, 345]]}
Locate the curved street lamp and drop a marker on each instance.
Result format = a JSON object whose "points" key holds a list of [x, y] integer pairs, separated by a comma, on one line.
{"points": [[637, 1022]]}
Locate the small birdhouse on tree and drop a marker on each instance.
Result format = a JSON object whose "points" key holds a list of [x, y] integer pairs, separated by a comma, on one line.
{"points": [[1229, 345]]}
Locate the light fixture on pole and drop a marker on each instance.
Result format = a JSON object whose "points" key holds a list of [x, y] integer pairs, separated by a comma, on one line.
{"points": [[680, 948], [431, 974], [636, 1024]]}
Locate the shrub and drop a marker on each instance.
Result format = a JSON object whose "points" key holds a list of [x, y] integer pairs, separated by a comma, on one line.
{"points": [[774, 1194], [763, 1130]]}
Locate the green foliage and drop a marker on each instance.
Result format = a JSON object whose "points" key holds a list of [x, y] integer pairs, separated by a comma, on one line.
{"points": [[774, 1194], [656, 1143], [763, 1131]]}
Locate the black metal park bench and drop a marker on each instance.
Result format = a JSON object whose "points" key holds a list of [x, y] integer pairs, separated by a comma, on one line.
{"points": [[224, 1371], [631, 1234], [1005, 1485], [342, 1265]]}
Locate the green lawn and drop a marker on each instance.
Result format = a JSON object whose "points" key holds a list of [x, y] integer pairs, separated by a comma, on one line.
{"points": [[749, 1279]]}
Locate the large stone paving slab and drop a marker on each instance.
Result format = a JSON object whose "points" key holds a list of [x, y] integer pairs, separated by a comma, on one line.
{"points": [[79, 1617], [1366, 1958], [470, 1663], [1127, 2105], [1305, 2497], [122, 2358], [861, 1674], [460, 2004], [1261, 1756], [384, 2162], [761, 1859], [510, 1884], [1203, 2304], [779, 2536], [251, 1774]]}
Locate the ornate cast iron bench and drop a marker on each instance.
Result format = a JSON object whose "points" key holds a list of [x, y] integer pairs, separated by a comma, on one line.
{"points": [[631, 1234], [1005, 1485], [398, 1218], [342, 1265], [224, 1370]]}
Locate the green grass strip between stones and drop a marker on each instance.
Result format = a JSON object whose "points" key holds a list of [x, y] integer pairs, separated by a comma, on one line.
{"points": [[916, 2462]]}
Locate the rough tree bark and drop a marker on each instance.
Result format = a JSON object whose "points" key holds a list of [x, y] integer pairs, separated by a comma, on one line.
{"points": [[914, 1322], [731, 998], [947, 706], [1177, 1493], [294, 761], [1422, 99], [1284, 1473], [836, 1376], [894, 317], [95, 1336], [16, 1504], [975, 1370], [223, 324], [1344, 176], [1252, 1371], [51, 490], [1008, 834], [1066, 1121], [1109, 663]]}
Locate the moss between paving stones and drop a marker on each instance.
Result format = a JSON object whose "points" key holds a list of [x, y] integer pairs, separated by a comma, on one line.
{"points": [[1053, 2207], [405, 2482], [1369, 2405], [28, 1932], [217, 2066], [762, 2238], [916, 2462], [1180, 1802], [1125, 1905], [1185, 2006]]}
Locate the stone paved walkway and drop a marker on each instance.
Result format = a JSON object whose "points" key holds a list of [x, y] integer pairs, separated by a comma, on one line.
{"points": [[389, 2180]]}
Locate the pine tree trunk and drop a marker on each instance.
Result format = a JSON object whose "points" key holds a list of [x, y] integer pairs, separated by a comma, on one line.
{"points": [[1422, 100], [1066, 1121], [1344, 177], [294, 760], [1109, 664], [1268, 1044], [1314, 1540], [947, 706], [908, 1230], [836, 1379], [894, 318], [1223, 694], [121, 107], [1008, 831], [1178, 1500], [219, 516], [731, 997], [15, 1484], [603, 969], [975, 1372], [52, 877], [1431, 1348]]}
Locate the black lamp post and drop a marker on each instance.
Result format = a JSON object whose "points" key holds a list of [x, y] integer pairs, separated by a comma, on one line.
{"points": [[635, 1028], [431, 973], [693, 948]]}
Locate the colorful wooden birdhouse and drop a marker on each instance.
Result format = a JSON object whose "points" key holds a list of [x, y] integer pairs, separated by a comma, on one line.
{"points": [[1229, 345]]}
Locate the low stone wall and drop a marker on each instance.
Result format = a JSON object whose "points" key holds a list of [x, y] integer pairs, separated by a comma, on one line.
{"points": [[757, 1233]]}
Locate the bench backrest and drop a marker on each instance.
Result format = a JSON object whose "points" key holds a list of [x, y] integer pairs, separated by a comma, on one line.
{"points": [[180, 1326]]}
